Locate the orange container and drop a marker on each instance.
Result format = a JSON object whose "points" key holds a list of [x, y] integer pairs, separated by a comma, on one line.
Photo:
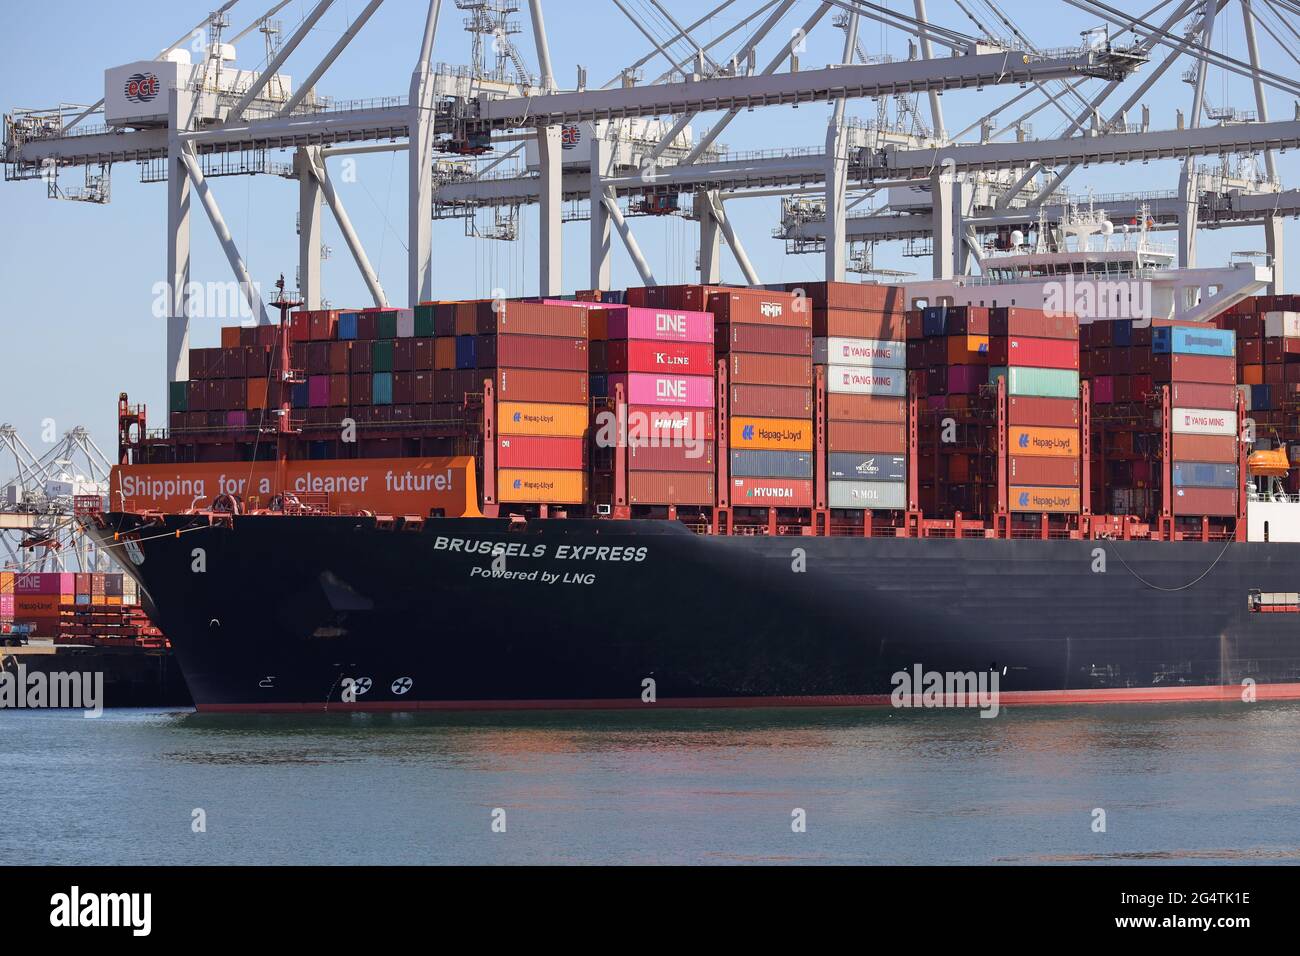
{"points": [[771, 434], [541, 487], [256, 393], [230, 337], [967, 349], [444, 352], [1028, 441], [1252, 375], [542, 419], [1025, 498]]}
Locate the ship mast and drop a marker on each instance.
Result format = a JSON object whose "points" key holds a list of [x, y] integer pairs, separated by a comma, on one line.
{"points": [[284, 430]]}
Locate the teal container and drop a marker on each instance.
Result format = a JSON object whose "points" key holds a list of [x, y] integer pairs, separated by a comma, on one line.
{"points": [[178, 397], [387, 325], [382, 389], [1037, 382], [424, 321], [381, 356]]}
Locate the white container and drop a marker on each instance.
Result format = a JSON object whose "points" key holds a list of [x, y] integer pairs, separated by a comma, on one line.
{"points": [[1203, 421], [864, 353], [852, 380], [867, 495], [1282, 325], [406, 323]]}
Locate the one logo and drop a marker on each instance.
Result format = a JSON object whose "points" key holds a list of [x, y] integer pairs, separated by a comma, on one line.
{"points": [[1024, 499], [142, 87], [402, 685], [519, 483], [519, 416], [1024, 439], [747, 433], [570, 137]]}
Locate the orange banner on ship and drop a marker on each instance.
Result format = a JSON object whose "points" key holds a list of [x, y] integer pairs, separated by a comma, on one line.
{"points": [[389, 486]]}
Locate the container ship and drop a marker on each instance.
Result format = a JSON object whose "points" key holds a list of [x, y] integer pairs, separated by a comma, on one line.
{"points": [[715, 496]]}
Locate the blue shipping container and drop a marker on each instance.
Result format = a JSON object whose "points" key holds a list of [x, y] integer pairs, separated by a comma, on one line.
{"points": [[348, 325], [465, 348], [1199, 474], [1180, 340], [861, 466], [1123, 332], [599, 385], [1261, 398], [382, 389], [771, 464], [301, 396], [933, 320]]}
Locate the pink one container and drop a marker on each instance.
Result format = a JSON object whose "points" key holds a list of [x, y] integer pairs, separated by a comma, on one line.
{"points": [[642, 388], [663, 325]]}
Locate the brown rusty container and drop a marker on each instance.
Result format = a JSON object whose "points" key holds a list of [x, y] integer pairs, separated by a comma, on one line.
{"points": [[855, 324], [1217, 502], [1043, 471], [776, 339], [776, 401], [866, 436], [1046, 412], [865, 408], [1215, 448], [670, 488], [753, 368], [534, 385]]}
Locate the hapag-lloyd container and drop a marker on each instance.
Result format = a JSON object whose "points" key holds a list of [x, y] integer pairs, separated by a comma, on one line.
{"points": [[1203, 474], [528, 485], [851, 380], [771, 434], [530, 451], [666, 358], [1203, 421], [685, 457], [867, 495], [1048, 412], [647, 424], [880, 437], [865, 408], [771, 464], [663, 325], [771, 492], [1043, 442], [775, 401], [756, 368], [869, 353], [670, 488], [1050, 500], [542, 419], [642, 388], [865, 466]]}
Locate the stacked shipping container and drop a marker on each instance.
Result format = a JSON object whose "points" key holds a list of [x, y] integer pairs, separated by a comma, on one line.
{"points": [[42, 599]]}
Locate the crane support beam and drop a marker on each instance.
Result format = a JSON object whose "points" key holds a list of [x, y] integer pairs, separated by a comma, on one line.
{"points": [[273, 67], [368, 274]]}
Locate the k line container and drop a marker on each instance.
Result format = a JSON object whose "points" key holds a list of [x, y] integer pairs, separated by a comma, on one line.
{"points": [[776, 401], [883, 438], [1031, 441], [1204, 474], [753, 368], [1203, 421], [1037, 382], [660, 358], [771, 434], [685, 457], [662, 325], [867, 495], [771, 492], [542, 419], [670, 488], [690, 391], [771, 464], [526, 451], [867, 353], [865, 466], [848, 380], [527, 485], [1050, 500]]}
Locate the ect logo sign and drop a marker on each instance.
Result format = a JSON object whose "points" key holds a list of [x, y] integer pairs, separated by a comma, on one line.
{"points": [[570, 137], [142, 87]]}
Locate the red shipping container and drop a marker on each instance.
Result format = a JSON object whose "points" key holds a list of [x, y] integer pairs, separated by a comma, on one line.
{"points": [[1216, 502], [403, 355], [687, 358], [1195, 368], [1213, 448], [404, 388], [198, 398], [367, 327], [526, 451], [752, 368], [339, 358], [1046, 412], [540, 351], [531, 385], [299, 329], [759, 307], [324, 325], [423, 361], [696, 456], [1032, 323], [423, 386], [861, 296], [530, 318], [852, 324], [318, 358], [361, 387], [771, 401], [1054, 472], [338, 390], [866, 436], [1250, 351], [647, 424], [671, 488], [866, 408], [1035, 353], [770, 493], [1196, 395], [777, 339], [267, 336], [363, 360]]}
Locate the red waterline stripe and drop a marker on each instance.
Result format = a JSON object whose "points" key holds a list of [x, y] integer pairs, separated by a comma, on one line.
{"points": [[1112, 695]]}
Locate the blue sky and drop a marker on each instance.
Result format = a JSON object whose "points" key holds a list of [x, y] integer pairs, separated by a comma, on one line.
{"points": [[79, 279]]}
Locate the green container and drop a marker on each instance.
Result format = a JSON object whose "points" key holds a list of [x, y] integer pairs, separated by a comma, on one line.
{"points": [[387, 325], [1037, 382], [178, 397], [381, 356], [424, 321]]}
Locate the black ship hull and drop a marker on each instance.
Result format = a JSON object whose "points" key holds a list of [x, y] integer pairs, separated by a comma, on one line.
{"points": [[325, 613]]}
